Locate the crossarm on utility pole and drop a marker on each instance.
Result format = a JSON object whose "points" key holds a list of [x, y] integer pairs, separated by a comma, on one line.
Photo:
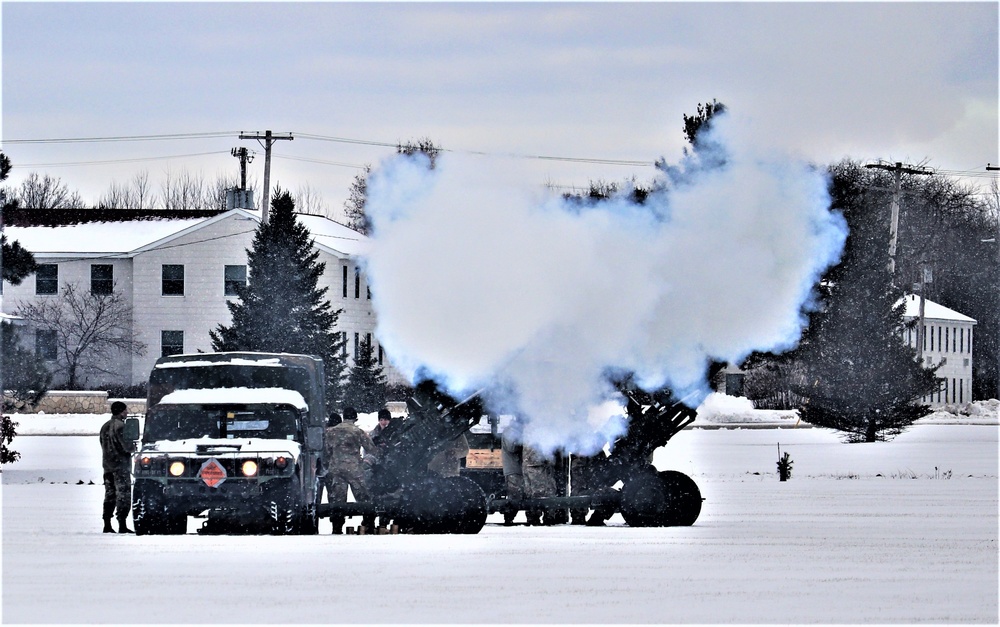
{"points": [[269, 139]]}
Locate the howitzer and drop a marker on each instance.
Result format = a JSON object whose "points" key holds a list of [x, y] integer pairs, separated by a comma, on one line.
{"points": [[648, 497], [401, 486], [651, 498]]}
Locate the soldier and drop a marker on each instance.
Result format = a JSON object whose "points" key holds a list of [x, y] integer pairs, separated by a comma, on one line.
{"points": [[511, 455], [116, 457], [379, 438], [377, 434], [343, 457], [448, 461], [539, 482], [587, 481]]}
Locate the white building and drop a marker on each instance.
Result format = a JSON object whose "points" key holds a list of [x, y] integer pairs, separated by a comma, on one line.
{"points": [[178, 274], [947, 340]]}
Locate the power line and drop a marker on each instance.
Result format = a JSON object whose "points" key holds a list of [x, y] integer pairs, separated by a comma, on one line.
{"points": [[114, 161], [121, 138], [316, 137]]}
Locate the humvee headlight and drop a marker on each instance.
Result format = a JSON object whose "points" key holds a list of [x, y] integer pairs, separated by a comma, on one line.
{"points": [[249, 468], [177, 468], [281, 462]]}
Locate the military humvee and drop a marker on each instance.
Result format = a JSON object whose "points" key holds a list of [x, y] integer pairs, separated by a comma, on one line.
{"points": [[237, 435]]}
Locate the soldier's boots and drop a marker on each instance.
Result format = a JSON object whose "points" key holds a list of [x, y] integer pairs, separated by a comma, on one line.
{"points": [[107, 526], [123, 527]]}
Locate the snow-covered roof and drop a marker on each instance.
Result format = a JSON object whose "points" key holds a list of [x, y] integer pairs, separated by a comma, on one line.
{"points": [[933, 311], [97, 238], [129, 237], [242, 396], [335, 238]]}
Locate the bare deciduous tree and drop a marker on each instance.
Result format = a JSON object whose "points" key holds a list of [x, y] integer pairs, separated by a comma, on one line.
{"points": [[46, 192], [185, 191], [309, 200], [136, 194], [90, 330]]}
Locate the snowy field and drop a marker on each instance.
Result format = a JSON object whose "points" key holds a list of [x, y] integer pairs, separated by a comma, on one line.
{"points": [[898, 532]]}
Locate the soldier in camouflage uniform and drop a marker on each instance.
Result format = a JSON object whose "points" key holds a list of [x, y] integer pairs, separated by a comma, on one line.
{"points": [[587, 480], [513, 475], [539, 482], [344, 465], [116, 457]]}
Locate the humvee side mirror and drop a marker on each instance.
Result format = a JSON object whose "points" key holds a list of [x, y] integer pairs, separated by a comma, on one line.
{"points": [[131, 432], [314, 438]]}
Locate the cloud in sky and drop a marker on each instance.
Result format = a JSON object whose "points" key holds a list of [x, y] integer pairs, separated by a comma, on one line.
{"points": [[482, 282], [611, 80]]}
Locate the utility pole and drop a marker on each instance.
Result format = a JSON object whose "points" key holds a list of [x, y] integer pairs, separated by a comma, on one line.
{"points": [[243, 155], [269, 139], [3, 202], [996, 239], [897, 169]]}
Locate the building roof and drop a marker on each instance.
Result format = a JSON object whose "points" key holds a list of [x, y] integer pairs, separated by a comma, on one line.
{"points": [[933, 311], [127, 237]]}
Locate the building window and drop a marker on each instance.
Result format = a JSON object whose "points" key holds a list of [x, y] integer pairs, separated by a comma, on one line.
{"points": [[47, 279], [102, 278], [45, 344], [357, 346], [343, 347], [345, 283], [173, 280], [961, 340], [380, 354], [235, 278], [368, 290], [944, 347], [171, 343], [357, 282]]}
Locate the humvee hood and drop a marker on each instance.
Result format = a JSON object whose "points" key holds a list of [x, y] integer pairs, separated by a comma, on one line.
{"points": [[242, 396]]}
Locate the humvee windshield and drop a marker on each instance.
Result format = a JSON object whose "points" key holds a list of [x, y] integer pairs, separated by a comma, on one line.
{"points": [[182, 422]]}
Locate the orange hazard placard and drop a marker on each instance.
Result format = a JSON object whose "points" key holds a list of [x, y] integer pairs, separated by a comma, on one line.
{"points": [[212, 473]]}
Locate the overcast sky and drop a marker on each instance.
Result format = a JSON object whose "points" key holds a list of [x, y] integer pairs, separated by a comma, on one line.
{"points": [[912, 82]]}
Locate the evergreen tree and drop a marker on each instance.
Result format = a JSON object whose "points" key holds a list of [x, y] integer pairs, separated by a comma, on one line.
{"points": [[694, 125], [366, 382], [856, 372], [25, 381], [354, 206], [18, 263], [282, 308], [357, 195]]}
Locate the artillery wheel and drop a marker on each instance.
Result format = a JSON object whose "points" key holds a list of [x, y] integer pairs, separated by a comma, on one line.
{"points": [[475, 507], [443, 505], [685, 495], [664, 499]]}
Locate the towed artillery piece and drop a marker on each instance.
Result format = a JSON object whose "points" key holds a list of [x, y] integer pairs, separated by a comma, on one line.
{"points": [[421, 501], [648, 497], [401, 486]]}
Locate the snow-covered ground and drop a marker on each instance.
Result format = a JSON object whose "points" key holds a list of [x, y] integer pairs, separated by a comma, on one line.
{"points": [[904, 531]]}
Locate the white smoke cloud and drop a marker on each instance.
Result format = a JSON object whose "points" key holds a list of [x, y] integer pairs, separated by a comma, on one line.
{"points": [[483, 279]]}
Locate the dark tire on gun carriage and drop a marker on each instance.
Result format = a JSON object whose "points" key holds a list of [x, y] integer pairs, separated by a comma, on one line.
{"points": [[443, 505], [660, 499]]}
